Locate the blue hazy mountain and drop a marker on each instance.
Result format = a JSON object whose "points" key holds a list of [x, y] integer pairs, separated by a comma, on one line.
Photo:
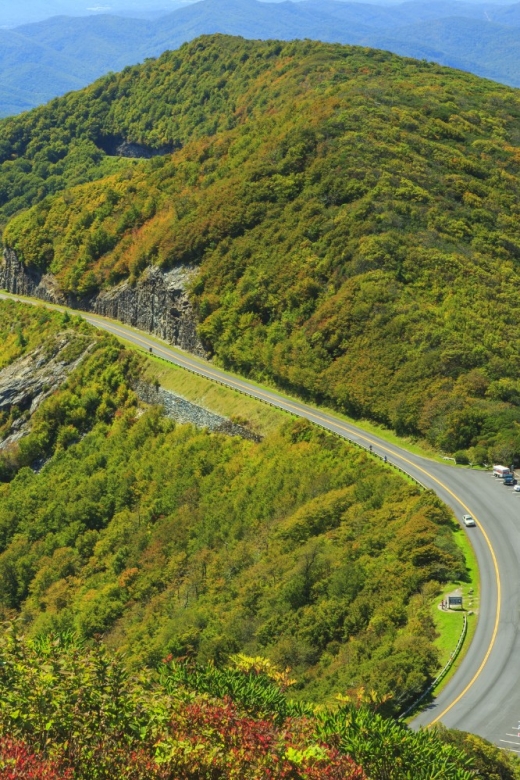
{"points": [[489, 50], [41, 60], [14, 14]]}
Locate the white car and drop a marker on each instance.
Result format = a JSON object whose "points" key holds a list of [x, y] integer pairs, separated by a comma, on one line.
{"points": [[468, 520], [517, 488]]}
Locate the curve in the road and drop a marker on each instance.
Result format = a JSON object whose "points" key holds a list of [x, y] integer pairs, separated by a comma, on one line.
{"points": [[476, 677]]}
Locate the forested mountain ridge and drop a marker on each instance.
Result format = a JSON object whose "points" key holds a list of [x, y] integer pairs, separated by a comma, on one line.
{"points": [[352, 214]]}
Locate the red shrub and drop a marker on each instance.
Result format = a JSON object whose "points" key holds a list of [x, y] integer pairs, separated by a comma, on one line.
{"points": [[18, 763], [213, 741]]}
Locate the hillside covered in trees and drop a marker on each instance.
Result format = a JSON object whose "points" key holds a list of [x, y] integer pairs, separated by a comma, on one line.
{"points": [[168, 540], [353, 217], [153, 593]]}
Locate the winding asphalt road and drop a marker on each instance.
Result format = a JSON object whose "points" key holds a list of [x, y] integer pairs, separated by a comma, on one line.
{"points": [[483, 696]]}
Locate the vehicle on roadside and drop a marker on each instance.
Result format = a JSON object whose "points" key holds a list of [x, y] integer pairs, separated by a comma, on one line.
{"points": [[505, 474], [499, 472], [468, 520], [517, 488]]}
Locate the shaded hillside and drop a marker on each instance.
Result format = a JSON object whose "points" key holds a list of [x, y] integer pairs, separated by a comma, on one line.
{"points": [[353, 216]]}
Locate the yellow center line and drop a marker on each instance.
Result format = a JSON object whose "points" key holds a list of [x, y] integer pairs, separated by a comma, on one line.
{"points": [[259, 393], [254, 392]]}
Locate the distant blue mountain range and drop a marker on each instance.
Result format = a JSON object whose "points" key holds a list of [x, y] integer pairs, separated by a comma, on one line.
{"points": [[48, 58]]}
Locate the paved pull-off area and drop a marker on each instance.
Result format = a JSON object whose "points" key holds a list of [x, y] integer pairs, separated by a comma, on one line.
{"points": [[484, 694]]}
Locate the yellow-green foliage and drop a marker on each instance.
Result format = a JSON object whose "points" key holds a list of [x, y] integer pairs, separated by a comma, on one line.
{"points": [[22, 330], [168, 539], [83, 707], [354, 217]]}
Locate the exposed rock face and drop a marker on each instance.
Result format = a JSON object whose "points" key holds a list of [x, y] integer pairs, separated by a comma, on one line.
{"points": [[28, 381], [157, 303], [178, 408], [15, 278]]}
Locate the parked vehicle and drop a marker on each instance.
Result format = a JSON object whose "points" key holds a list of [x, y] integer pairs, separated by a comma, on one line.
{"points": [[501, 471], [509, 479]]}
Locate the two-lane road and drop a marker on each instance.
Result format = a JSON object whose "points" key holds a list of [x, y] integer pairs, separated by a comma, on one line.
{"points": [[484, 695]]}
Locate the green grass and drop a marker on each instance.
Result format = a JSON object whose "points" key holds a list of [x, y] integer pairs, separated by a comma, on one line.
{"points": [[260, 417], [449, 624]]}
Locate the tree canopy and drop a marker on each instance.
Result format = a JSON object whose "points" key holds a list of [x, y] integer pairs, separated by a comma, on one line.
{"points": [[166, 539], [352, 215], [76, 713]]}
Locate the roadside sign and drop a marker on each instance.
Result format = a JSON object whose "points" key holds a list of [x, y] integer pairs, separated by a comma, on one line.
{"points": [[454, 601]]}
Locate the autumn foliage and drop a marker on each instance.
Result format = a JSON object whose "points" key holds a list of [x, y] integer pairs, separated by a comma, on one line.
{"points": [[17, 762], [69, 711], [352, 217]]}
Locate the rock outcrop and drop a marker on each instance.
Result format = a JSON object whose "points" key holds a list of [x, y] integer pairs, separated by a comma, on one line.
{"points": [[16, 278], [27, 382], [178, 408], [157, 303]]}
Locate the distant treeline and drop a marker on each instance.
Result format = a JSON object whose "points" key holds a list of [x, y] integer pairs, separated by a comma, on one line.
{"points": [[40, 61]]}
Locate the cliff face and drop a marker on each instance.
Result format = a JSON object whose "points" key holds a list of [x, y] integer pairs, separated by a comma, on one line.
{"points": [[157, 303], [27, 382], [23, 281]]}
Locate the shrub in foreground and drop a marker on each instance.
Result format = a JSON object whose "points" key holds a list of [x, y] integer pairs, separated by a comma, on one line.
{"points": [[74, 712]]}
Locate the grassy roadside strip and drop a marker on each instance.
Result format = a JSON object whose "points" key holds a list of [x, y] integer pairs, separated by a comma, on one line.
{"points": [[449, 624], [258, 416]]}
